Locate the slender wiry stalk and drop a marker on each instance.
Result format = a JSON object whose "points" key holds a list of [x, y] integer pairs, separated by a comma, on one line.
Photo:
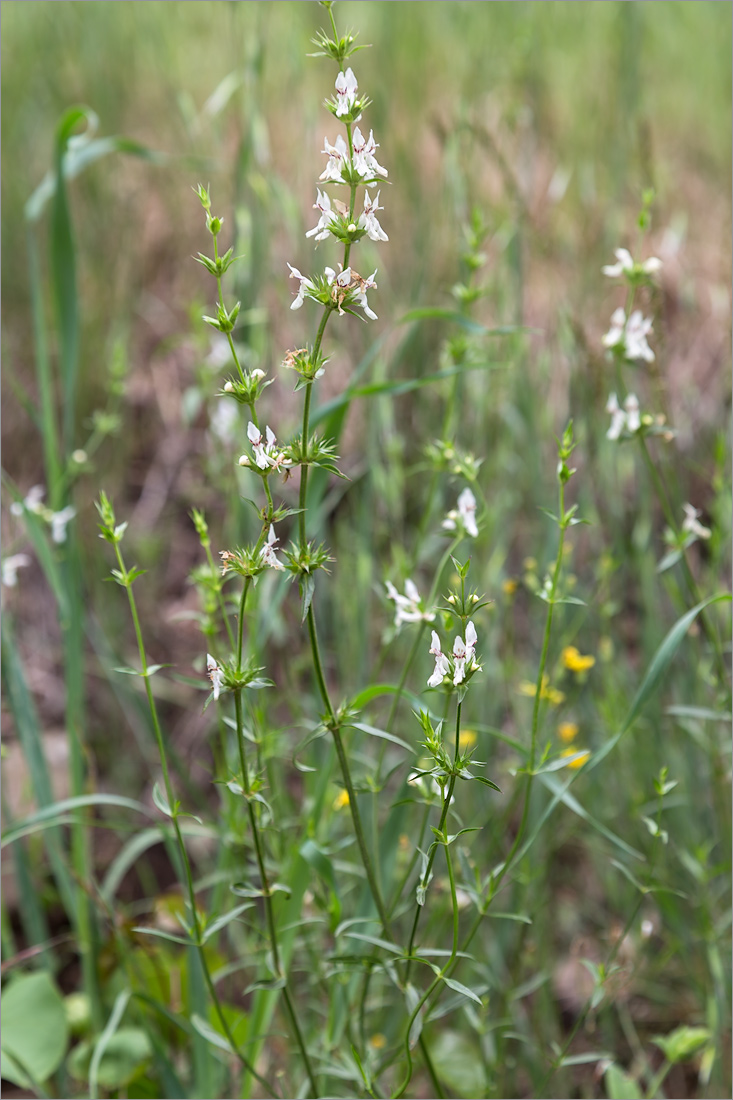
{"points": [[431, 857], [195, 923], [267, 896]]}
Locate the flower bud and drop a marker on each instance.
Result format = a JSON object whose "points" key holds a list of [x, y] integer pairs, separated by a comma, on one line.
{"points": [[257, 374], [79, 457], [244, 460], [228, 387]]}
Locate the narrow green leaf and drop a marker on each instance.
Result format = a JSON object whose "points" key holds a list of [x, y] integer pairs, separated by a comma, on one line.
{"points": [[159, 934], [118, 1011], [373, 731], [440, 313], [560, 791], [161, 801], [376, 941], [459, 988], [51, 815]]}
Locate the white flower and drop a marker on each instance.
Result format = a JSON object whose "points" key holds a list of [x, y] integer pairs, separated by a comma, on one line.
{"points": [[10, 567], [408, 608], [442, 664], [637, 328], [343, 279], [633, 419], [626, 264], [368, 219], [630, 334], [346, 89], [32, 503], [628, 418], [59, 521], [265, 450], [463, 654], [361, 294], [267, 553], [615, 334], [690, 524], [338, 155], [215, 675], [464, 516], [618, 417], [322, 203], [364, 160], [305, 284]]}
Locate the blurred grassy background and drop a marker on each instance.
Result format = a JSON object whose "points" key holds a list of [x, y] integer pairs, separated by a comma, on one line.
{"points": [[551, 119]]}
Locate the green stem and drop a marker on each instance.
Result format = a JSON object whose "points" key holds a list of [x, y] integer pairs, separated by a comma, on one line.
{"points": [[693, 589], [267, 896], [438, 979], [303, 496], [196, 925], [434, 848]]}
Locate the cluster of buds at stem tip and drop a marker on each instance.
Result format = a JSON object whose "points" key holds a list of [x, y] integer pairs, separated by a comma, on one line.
{"points": [[445, 455], [460, 664], [248, 389]]}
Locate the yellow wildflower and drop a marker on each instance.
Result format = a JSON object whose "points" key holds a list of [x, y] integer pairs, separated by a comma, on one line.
{"points": [[509, 587], [341, 800], [530, 564], [404, 842], [582, 757], [467, 739], [567, 731], [377, 1041], [552, 694], [575, 661]]}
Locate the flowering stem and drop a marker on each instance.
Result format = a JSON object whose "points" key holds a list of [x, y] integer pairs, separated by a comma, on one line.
{"points": [[431, 857], [306, 417], [240, 623], [232, 349], [449, 963], [346, 774], [267, 896], [663, 498], [196, 924]]}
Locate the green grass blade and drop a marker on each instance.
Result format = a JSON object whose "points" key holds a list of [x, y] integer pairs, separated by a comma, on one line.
{"points": [[29, 735], [118, 1011], [63, 272], [46, 389]]}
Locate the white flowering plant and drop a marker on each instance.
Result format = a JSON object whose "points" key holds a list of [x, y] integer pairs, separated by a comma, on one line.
{"points": [[347, 834]]}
